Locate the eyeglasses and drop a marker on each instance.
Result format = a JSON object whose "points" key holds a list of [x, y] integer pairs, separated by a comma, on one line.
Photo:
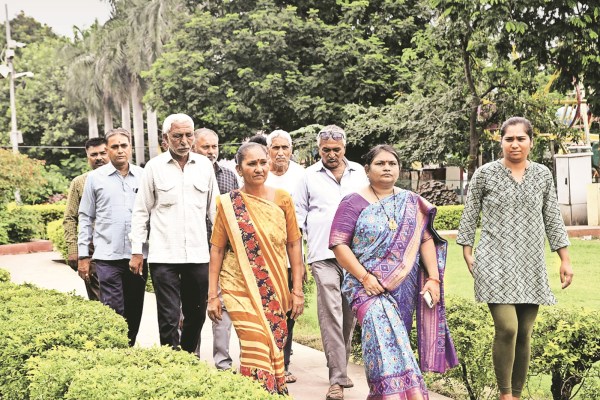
{"points": [[335, 135]]}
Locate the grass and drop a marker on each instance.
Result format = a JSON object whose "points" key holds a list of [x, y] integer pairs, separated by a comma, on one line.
{"points": [[459, 283]]}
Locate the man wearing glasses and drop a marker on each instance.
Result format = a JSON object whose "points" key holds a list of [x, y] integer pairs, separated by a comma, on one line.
{"points": [[317, 197], [176, 196], [105, 215]]}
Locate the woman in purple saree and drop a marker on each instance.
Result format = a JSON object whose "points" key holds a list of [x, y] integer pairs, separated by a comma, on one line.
{"points": [[383, 236]]}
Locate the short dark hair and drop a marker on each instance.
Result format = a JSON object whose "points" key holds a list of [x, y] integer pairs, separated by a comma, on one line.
{"points": [[516, 121], [241, 153], [370, 156], [95, 141], [260, 139]]}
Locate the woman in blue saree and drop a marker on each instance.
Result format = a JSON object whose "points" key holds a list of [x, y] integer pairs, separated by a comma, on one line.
{"points": [[383, 237]]}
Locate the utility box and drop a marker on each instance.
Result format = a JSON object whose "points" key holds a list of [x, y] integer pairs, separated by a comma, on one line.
{"points": [[573, 175], [593, 204]]}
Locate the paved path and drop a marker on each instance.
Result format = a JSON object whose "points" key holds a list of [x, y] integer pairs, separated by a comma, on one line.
{"points": [[309, 365]]}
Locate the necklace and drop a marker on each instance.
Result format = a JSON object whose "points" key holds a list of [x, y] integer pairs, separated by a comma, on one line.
{"points": [[391, 221]]}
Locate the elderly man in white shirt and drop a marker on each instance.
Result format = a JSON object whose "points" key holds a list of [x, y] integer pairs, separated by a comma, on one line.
{"points": [[317, 198], [284, 174], [175, 198]]}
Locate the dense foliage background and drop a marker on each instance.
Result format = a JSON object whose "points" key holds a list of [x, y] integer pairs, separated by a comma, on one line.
{"points": [[435, 78]]}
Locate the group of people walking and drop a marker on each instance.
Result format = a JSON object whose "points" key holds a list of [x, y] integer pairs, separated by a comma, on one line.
{"points": [[232, 247]]}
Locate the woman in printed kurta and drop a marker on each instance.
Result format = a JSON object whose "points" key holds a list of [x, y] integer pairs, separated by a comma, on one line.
{"points": [[383, 236], [259, 224], [517, 202]]}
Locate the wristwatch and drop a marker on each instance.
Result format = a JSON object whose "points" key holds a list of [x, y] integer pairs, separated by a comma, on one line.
{"points": [[84, 257]]}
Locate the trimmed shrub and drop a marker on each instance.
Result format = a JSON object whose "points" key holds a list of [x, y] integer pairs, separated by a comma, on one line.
{"points": [[448, 217], [4, 275], [472, 330], [566, 345], [22, 225], [56, 234], [134, 373], [47, 212], [33, 321]]}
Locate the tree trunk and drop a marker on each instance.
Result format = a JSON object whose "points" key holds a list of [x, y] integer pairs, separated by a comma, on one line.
{"points": [[138, 125], [92, 125], [474, 137], [125, 115], [152, 123], [474, 134], [108, 122]]}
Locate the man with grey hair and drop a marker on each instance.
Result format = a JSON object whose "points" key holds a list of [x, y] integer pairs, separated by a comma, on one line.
{"points": [[105, 215], [317, 197], [284, 174], [176, 197], [207, 144]]}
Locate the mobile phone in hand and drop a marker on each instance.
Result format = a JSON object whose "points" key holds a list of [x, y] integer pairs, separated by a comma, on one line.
{"points": [[428, 299]]}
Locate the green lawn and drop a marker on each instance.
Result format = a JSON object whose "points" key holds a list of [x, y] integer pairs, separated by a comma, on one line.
{"points": [[584, 259]]}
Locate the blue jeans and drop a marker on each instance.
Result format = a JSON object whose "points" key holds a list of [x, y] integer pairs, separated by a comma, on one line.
{"points": [[180, 289], [123, 291]]}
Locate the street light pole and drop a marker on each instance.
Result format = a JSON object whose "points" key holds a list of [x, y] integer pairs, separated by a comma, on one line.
{"points": [[14, 133]]}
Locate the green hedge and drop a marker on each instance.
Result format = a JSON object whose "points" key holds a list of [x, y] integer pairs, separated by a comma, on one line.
{"points": [[59, 346], [33, 321], [135, 373], [20, 224], [4, 275], [565, 346], [448, 217], [55, 233]]}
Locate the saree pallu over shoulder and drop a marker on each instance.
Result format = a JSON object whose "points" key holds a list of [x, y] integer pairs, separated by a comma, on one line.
{"points": [[254, 284]]}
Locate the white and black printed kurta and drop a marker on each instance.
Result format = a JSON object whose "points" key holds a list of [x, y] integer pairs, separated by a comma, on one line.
{"points": [[516, 217]]}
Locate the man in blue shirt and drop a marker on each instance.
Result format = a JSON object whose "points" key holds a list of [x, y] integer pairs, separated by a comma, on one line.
{"points": [[105, 216]]}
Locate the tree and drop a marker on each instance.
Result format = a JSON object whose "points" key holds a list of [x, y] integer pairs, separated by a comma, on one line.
{"points": [[18, 172], [240, 66], [563, 36], [84, 84]]}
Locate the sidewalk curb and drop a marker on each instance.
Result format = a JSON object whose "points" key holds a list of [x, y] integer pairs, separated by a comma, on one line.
{"points": [[26, 248], [574, 231]]}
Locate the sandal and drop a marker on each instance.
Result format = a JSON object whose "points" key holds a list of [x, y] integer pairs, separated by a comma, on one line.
{"points": [[335, 392], [348, 384], [289, 377]]}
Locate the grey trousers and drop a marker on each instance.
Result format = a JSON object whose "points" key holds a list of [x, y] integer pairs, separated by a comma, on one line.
{"points": [[221, 335], [336, 319]]}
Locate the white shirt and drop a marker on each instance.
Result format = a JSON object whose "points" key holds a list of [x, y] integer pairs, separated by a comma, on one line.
{"points": [[317, 198], [176, 203], [288, 181]]}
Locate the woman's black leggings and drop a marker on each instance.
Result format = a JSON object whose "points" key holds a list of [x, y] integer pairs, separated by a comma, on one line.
{"points": [[513, 324]]}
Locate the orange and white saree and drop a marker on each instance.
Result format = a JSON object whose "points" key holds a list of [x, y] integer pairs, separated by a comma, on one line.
{"points": [[253, 279]]}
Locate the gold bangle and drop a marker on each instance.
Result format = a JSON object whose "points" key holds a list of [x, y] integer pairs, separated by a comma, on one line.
{"points": [[361, 280], [296, 294], [212, 298], [433, 279]]}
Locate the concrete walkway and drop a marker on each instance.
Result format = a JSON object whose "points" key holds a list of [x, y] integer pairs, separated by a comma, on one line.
{"points": [[309, 365]]}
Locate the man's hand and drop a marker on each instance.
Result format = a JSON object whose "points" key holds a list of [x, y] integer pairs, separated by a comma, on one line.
{"points": [[83, 268], [136, 264], [72, 261]]}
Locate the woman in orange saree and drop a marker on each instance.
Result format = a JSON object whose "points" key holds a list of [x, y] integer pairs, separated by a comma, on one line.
{"points": [[258, 223]]}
